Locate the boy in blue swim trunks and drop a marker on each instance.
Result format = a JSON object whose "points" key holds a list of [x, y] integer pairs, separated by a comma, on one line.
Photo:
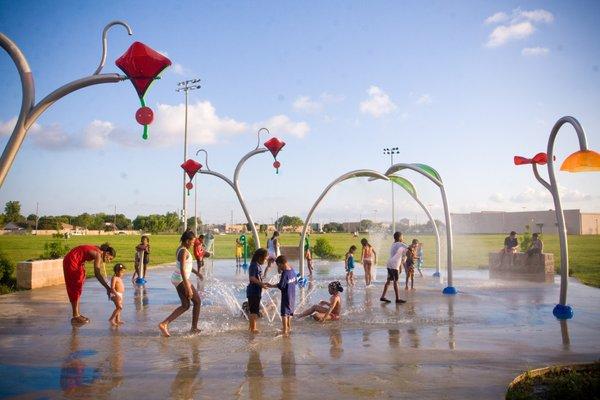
{"points": [[349, 263], [287, 285]]}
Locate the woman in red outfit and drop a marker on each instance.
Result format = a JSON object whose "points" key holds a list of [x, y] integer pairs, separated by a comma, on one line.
{"points": [[74, 270]]}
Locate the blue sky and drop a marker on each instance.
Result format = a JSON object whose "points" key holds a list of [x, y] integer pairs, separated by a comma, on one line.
{"points": [[462, 86]]}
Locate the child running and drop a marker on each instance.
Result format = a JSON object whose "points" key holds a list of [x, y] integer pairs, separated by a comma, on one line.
{"points": [[116, 284], [142, 258], [186, 291], [255, 287], [287, 285], [368, 258], [349, 263], [409, 264], [393, 267], [327, 310]]}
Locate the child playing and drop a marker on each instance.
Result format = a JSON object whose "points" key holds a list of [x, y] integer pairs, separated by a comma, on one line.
{"points": [[420, 258], [349, 262], [308, 256], [116, 284], [409, 264], [255, 287], [287, 285], [238, 253], [327, 310], [273, 251], [142, 258], [393, 267], [368, 258]]}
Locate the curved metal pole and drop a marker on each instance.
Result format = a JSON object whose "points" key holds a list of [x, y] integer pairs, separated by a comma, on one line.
{"points": [[352, 174], [30, 113], [218, 175], [541, 180], [205, 158], [258, 136], [236, 187], [560, 218], [396, 167], [438, 258], [28, 92], [105, 42]]}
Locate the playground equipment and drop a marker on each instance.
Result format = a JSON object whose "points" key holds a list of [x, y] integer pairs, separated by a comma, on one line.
{"points": [[583, 160], [244, 243], [434, 177], [141, 64], [360, 173], [410, 188], [273, 145]]}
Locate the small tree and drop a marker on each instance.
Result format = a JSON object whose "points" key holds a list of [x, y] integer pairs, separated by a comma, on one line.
{"points": [[526, 239], [323, 248]]}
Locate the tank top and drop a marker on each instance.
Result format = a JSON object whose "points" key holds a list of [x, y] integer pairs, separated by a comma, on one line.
{"points": [[272, 248], [176, 277], [368, 253]]}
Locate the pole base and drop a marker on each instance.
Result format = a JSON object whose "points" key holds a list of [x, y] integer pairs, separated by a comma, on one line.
{"points": [[563, 312], [436, 274], [140, 281], [450, 290]]}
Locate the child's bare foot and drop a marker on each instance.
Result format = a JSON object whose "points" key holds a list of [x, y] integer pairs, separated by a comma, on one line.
{"points": [[85, 318], [195, 331], [163, 329], [120, 322], [406, 288], [113, 322], [255, 331]]}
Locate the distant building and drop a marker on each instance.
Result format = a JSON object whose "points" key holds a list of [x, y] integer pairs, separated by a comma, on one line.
{"points": [[577, 223]]}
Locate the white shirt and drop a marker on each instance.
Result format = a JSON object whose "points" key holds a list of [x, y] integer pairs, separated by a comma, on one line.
{"points": [[396, 254]]}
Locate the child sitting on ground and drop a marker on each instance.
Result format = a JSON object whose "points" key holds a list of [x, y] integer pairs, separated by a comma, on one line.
{"points": [[116, 283], [287, 285], [327, 310], [349, 263], [409, 264]]}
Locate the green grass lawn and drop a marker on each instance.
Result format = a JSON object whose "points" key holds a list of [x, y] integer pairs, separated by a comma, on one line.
{"points": [[469, 250]]}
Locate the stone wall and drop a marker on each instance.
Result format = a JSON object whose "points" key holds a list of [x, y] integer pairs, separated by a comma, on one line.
{"points": [[537, 267], [40, 273]]}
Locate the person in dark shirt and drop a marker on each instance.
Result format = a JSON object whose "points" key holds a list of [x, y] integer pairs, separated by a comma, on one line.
{"points": [[287, 285], [511, 246], [255, 287]]}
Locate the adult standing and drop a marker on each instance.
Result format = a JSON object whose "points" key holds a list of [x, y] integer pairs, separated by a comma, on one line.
{"points": [[74, 272], [272, 251], [181, 280]]}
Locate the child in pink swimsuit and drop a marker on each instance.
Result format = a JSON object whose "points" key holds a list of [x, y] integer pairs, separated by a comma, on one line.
{"points": [[327, 310]]}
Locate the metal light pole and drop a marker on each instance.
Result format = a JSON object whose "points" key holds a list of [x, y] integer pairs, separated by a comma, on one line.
{"points": [[185, 87], [391, 151]]}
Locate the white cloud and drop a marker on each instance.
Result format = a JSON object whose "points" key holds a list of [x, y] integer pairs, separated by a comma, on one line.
{"points": [[308, 105], [424, 100], [97, 134], [496, 18], [503, 33], [305, 104], [539, 15], [7, 127], [378, 103], [573, 194], [497, 198], [283, 125], [522, 24], [179, 69], [531, 195], [204, 125], [535, 51]]}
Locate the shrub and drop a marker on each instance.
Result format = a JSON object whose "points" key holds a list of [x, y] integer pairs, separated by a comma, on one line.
{"points": [[8, 282], [526, 239], [54, 250], [323, 248]]}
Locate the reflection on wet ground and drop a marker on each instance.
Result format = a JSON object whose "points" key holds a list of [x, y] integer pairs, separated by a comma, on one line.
{"points": [[434, 346]]}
